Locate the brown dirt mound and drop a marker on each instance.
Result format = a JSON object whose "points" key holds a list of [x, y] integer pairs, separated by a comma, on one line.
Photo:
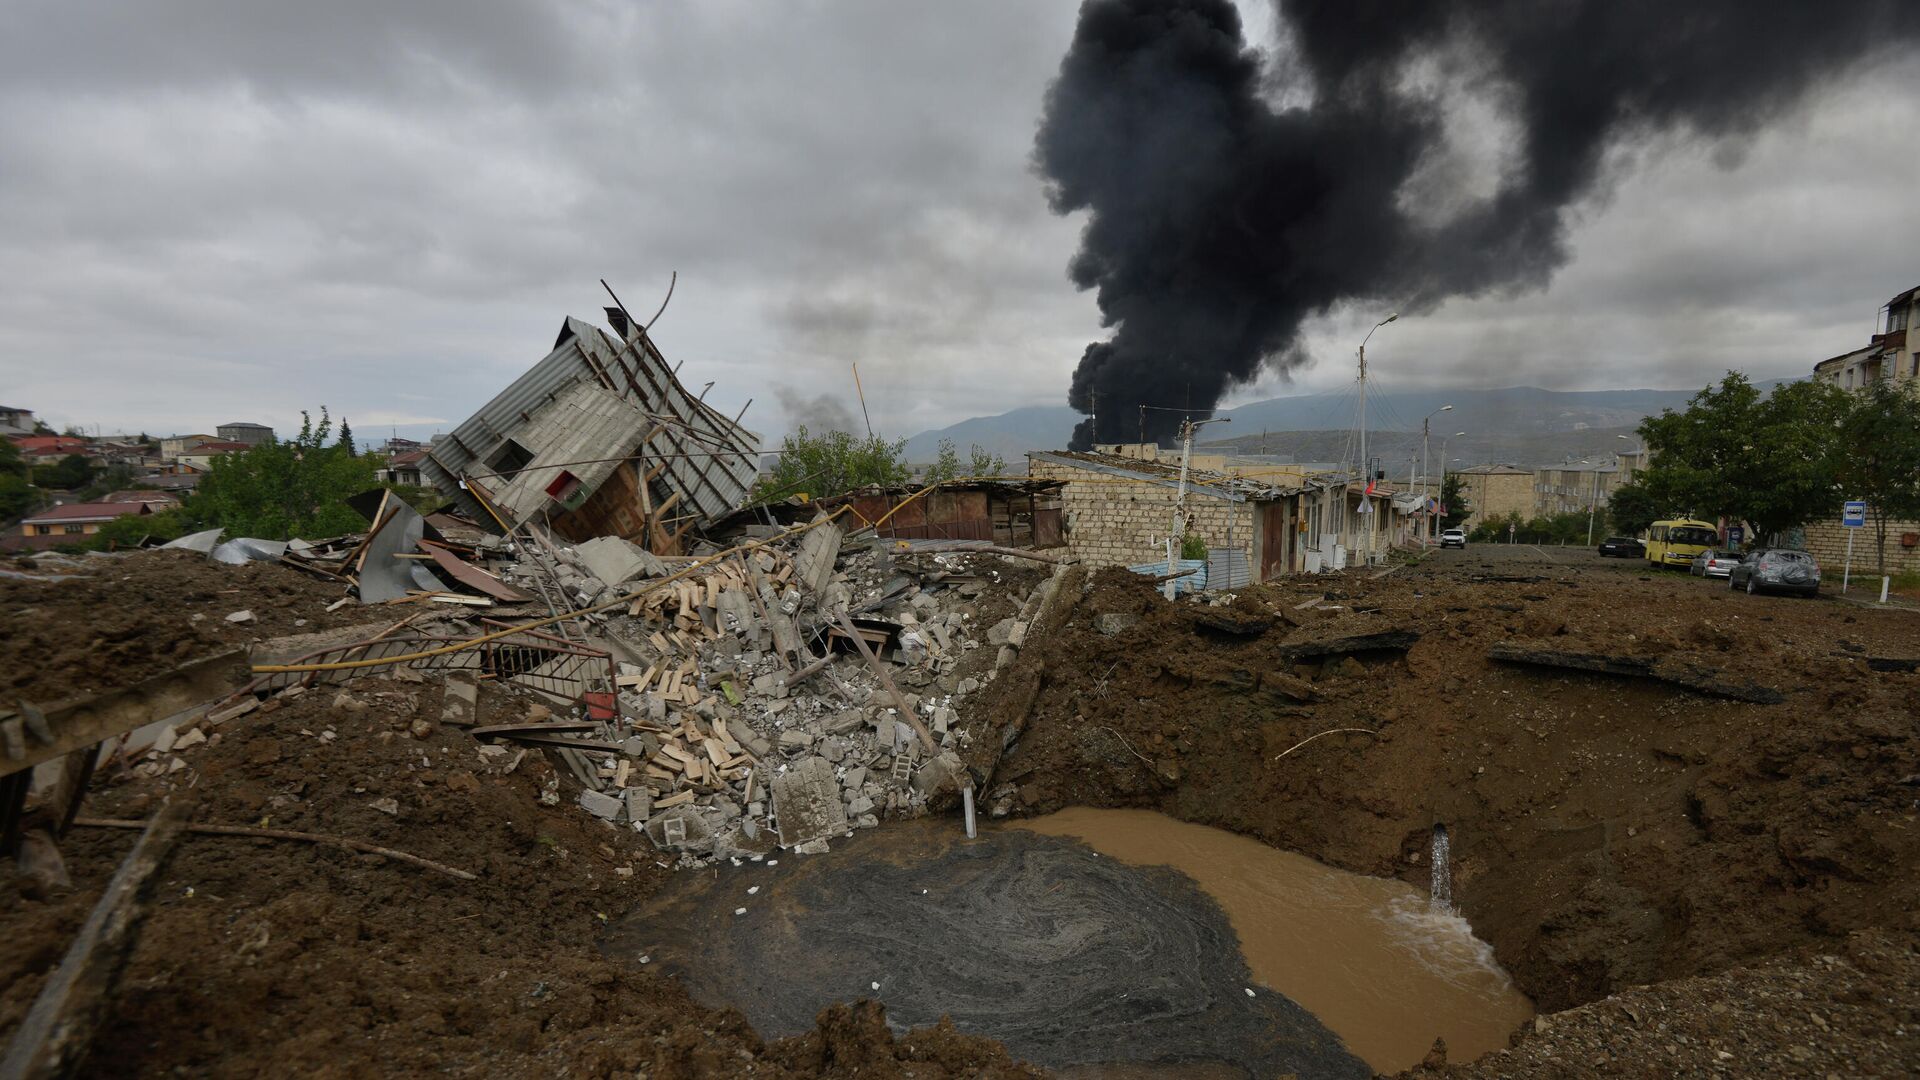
{"points": [[267, 956], [131, 616], [1606, 832]]}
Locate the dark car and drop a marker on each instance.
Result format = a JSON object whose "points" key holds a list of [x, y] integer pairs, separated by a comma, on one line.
{"points": [[1776, 570], [1622, 547]]}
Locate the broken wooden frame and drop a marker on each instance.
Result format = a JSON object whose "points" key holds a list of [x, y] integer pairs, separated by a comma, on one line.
{"points": [[525, 657]]}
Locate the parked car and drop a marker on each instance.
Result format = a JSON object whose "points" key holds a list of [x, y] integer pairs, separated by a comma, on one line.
{"points": [[1622, 547], [1711, 563], [1776, 570], [1455, 537]]}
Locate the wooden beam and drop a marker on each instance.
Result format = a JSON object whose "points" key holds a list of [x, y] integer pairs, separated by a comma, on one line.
{"points": [[58, 1030]]}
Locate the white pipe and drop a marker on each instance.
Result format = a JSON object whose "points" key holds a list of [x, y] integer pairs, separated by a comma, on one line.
{"points": [[966, 797], [1883, 589]]}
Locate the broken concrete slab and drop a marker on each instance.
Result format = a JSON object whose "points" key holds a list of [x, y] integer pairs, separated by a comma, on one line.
{"points": [[615, 561], [601, 805], [682, 828], [806, 801], [460, 700], [941, 772], [1111, 623], [813, 563]]}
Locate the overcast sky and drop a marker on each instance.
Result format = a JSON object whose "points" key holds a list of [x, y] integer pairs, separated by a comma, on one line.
{"points": [[232, 211]]}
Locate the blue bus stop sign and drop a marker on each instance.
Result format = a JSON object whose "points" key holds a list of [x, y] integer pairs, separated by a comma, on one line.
{"points": [[1853, 515], [1736, 534]]}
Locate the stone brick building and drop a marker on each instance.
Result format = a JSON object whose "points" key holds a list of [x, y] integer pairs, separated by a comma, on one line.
{"points": [[1118, 511], [1494, 491]]}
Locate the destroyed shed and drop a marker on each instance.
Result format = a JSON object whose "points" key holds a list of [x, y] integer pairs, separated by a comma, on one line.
{"points": [[1010, 513], [597, 439]]}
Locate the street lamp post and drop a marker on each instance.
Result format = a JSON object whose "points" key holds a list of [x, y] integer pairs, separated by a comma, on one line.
{"points": [[1366, 469], [1425, 430], [1442, 493]]}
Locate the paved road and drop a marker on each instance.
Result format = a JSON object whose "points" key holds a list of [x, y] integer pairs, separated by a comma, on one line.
{"points": [[1546, 559]]}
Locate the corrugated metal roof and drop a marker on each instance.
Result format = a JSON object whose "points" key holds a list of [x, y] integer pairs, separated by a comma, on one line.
{"points": [[709, 460], [580, 429]]}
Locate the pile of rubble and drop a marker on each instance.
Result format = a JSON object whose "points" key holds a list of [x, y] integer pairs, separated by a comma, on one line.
{"points": [[777, 695]]}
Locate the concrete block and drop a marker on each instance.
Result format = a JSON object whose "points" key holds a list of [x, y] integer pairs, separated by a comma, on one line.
{"points": [[941, 772], [795, 739], [806, 801], [1113, 622], [601, 805], [615, 561], [639, 803]]}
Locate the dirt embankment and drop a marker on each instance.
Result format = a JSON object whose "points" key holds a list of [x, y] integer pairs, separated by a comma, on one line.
{"points": [[1607, 832], [127, 617], [266, 956]]}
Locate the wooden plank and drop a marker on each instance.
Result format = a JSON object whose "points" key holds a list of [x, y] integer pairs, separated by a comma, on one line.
{"points": [[80, 723], [671, 801], [473, 577], [886, 682], [58, 1030]]}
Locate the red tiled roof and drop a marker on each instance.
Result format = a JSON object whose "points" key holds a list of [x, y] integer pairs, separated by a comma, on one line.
{"points": [[85, 512], [411, 457], [42, 443]]}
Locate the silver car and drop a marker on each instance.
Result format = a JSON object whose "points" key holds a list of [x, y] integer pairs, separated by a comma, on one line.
{"points": [[1776, 570], [1711, 563]]}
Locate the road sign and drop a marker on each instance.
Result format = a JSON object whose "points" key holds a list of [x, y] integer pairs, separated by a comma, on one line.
{"points": [[1736, 534], [1853, 515]]}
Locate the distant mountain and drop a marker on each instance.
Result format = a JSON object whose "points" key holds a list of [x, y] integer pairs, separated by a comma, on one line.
{"points": [[1541, 425], [1011, 434]]}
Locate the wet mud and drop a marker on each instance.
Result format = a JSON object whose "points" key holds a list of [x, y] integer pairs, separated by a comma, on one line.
{"points": [[1369, 957], [1069, 957]]}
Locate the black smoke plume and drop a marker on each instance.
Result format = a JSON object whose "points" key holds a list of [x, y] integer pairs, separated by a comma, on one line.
{"points": [[1220, 221]]}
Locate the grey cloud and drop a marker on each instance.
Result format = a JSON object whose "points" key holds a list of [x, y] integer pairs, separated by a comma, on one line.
{"points": [[224, 210]]}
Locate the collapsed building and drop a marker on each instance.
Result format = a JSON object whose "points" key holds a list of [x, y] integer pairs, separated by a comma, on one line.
{"points": [[599, 438]]}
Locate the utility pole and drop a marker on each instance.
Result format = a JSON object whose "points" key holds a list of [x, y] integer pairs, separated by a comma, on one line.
{"points": [[1366, 464], [1178, 536]]}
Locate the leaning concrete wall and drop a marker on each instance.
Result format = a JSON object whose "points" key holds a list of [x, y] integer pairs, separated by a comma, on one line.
{"points": [[1113, 521]]}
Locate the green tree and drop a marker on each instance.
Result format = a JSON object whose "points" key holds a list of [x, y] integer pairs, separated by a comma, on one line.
{"points": [[1634, 506], [18, 497], [946, 466], [1453, 496], [1879, 459], [280, 490], [980, 462], [833, 462], [128, 530], [983, 462], [1766, 459], [71, 473], [346, 436]]}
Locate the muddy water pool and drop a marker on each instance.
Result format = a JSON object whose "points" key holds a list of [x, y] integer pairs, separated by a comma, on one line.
{"points": [[1366, 956], [1100, 942]]}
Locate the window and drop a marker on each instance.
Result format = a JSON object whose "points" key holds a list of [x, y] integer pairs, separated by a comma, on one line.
{"points": [[43, 530], [74, 530], [1896, 320]]}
